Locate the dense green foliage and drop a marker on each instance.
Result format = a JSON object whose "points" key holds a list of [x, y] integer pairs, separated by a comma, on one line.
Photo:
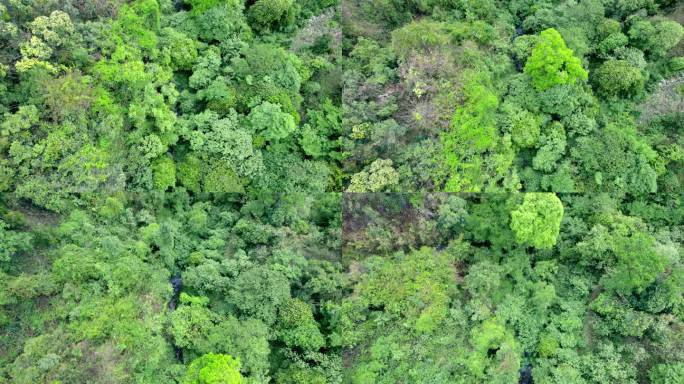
{"points": [[354, 288], [211, 95], [445, 291], [501, 96], [341, 191], [537, 220], [551, 63], [214, 369], [89, 296]]}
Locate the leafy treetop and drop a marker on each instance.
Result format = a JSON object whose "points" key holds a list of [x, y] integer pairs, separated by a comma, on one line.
{"points": [[553, 63]]}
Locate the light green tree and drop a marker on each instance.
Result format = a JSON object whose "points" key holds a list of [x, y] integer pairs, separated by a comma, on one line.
{"points": [[164, 173], [492, 335], [377, 177], [656, 39], [523, 125], [297, 327], [536, 221], [638, 263], [552, 63], [55, 29], [672, 373], [214, 368], [266, 14], [271, 122], [619, 77]]}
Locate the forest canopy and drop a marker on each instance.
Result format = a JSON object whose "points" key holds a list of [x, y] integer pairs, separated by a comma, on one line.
{"points": [[353, 288], [341, 191], [213, 96], [506, 96], [449, 288]]}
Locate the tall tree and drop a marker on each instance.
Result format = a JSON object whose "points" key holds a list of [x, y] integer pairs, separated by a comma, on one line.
{"points": [[552, 62], [536, 221]]}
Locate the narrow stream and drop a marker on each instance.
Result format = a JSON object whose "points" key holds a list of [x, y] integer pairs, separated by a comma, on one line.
{"points": [[526, 374], [177, 284], [518, 63]]}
